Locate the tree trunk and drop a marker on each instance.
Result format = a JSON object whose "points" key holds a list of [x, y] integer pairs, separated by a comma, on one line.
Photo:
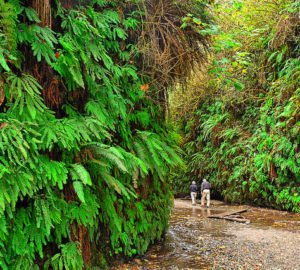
{"points": [[43, 9]]}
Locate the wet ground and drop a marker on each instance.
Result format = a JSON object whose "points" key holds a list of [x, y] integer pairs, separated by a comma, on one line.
{"points": [[193, 241]]}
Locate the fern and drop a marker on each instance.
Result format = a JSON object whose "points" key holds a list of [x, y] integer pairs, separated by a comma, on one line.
{"points": [[78, 172], [92, 169], [68, 258], [8, 44]]}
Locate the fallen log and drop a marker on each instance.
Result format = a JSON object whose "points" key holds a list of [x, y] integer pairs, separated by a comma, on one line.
{"points": [[232, 215], [237, 219], [186, 198]]}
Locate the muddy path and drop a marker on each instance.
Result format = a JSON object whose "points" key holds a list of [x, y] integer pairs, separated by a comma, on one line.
{"points": [[193, 241]]}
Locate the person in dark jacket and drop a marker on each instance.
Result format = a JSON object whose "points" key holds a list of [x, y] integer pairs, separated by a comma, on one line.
{"points": [[193, 189], [205, 192]]}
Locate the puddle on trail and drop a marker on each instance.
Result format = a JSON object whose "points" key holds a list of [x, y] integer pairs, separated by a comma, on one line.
{"points": [[183, 245], [264, 218], [180, 247]]}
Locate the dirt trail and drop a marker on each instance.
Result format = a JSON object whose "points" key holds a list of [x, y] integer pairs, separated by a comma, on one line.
{"points": [[271, 241]]}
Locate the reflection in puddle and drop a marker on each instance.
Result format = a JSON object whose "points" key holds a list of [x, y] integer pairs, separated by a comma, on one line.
{"points": [[181, 247]]}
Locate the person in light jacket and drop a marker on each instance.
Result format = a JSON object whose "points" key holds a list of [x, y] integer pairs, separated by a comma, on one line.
{"points": [[205, 192], [193, 189]]}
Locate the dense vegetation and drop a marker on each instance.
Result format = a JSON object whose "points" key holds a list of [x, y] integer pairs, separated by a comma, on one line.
{"points": [[239, 116], [85, 151]]}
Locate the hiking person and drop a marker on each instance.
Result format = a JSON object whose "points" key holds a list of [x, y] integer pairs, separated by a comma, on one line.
{"points": [[193, 189], [205, 192]]}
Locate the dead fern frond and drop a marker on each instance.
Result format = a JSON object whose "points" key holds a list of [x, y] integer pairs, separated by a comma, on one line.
{"points": [[287, 31], [167, 52]]}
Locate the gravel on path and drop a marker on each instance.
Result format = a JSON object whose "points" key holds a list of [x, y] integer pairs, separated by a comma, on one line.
{"points": [[270, 242]]}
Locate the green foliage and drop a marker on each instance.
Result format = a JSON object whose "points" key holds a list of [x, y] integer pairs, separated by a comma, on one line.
{"points": [[84, 155], [69, 258], [7, 34], [244, 134]]}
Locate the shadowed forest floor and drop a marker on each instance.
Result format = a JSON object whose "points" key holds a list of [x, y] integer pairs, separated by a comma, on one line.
{"points": [[271, 241]]}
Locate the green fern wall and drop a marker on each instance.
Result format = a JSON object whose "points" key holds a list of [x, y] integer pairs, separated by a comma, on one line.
{"points": [[241, 128], [85, 155]]}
